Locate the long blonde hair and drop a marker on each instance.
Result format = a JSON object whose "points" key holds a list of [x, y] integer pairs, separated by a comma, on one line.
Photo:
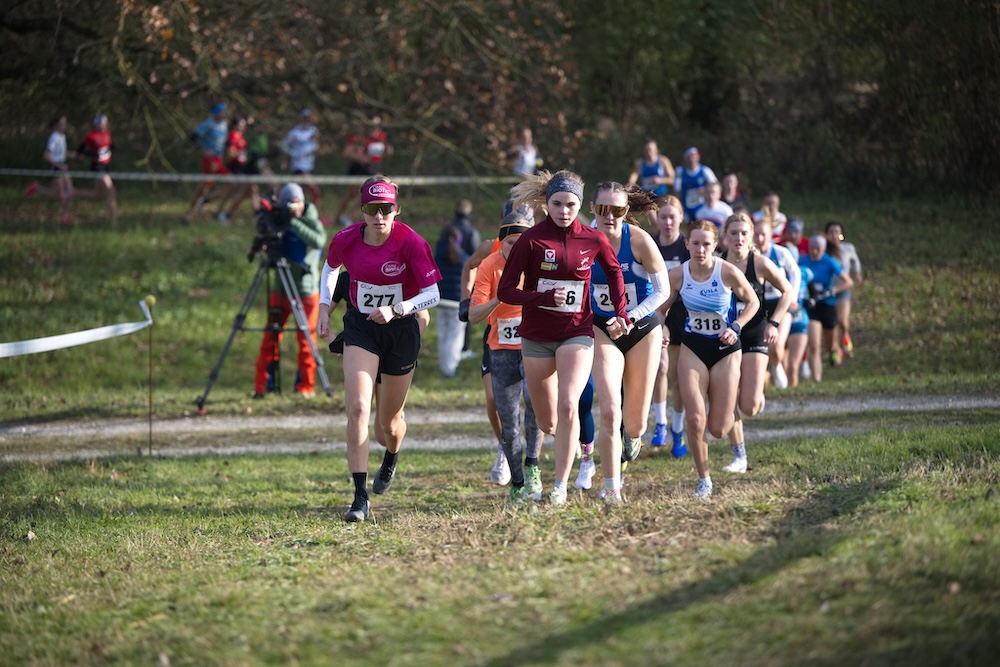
{"points": [[532, 189]]}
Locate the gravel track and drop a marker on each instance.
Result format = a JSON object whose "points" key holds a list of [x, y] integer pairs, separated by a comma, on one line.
{"points": [[20, 433]]}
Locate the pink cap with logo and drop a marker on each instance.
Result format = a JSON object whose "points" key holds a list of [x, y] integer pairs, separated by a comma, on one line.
{"points": [[377, 192]]}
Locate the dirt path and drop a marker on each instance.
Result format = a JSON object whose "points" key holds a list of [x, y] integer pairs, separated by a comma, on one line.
{"points": [[21, 434]]}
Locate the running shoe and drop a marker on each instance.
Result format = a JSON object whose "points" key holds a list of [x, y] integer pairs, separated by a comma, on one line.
{"points": [[32, 189], [679, 448], [621, 481], [835, 358], [67, 219], [630, 446], [533, 482], [739, 465], [500, 473], [847, 344], [659, 436], [383, 480], [222, 217], [557, 497], [585, 478], [779, 377], [360, 510], [704, 489], [804, 371], [518, 499], [613, 497]]}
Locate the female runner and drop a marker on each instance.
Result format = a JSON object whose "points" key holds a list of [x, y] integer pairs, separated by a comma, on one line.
{"points": [[763, 233], [760, 332], [507, 367], [393, 274], [628, 364], [709, 361], [673, 248], [555, 258]]}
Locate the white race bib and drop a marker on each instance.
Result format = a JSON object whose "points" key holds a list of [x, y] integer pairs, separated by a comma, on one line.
{"points": [[371, 296], [507, 331], [602, 295], [574, 294], [692, 198], [706, 324]]}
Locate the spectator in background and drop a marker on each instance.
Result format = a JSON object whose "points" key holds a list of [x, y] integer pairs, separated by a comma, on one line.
{"points": [[210, 135], [364, 154], [714, 208], [690, 182], [526, 159], [847, 255], [237, 158], [731, 193], [97, 146], [260, 154], [300, 145], [770, 208], [653, 172], [458, 241], [56, 155], [794, 239]]}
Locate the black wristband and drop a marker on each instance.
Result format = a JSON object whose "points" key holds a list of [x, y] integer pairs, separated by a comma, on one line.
{"points": [[735, 326], [774, 323]]}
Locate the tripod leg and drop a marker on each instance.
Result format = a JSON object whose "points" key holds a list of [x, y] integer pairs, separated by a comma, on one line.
{"points": [[302, 322], [237, 326]]}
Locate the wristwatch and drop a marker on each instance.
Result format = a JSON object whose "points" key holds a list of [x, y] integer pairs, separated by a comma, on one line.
{"points": [[737, 329], [397, 309], [773, 323]]}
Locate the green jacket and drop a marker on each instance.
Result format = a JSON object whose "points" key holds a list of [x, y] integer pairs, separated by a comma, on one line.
{"points": [[303, 248]]}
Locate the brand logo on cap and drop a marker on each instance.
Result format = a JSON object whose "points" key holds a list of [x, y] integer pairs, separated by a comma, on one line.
{"points": [[379, 192]]}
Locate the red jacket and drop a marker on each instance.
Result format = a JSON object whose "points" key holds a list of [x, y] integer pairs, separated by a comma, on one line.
{"points": [[547, 253]]}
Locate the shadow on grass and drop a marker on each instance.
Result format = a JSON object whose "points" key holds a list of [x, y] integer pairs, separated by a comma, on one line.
{"points": [[799, 534]]}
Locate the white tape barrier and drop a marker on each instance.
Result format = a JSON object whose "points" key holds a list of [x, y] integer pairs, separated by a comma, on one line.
{"points": [[318, 179], [73, 339]]}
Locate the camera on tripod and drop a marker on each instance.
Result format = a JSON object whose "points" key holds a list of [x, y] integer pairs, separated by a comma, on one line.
{"points": [[274, 219]]}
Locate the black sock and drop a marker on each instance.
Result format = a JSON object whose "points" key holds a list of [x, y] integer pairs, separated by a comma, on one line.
{"points": [[530, 461], [360, 484], [389, 459]]}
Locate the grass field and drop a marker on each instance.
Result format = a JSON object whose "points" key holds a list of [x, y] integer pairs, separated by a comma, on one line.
{"points": [[872, 548]]}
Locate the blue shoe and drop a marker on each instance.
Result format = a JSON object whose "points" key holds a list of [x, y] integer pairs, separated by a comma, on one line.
{"points": [[659, 436], [679, 449]]}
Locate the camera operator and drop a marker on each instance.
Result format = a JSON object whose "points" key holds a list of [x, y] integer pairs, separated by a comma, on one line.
{"points": [[293, 231]]}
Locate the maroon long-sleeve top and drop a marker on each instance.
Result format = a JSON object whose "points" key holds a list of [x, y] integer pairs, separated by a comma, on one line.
{"points": [[550, 256]]}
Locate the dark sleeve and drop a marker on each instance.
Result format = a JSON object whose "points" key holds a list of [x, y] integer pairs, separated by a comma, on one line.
{"points": [[507, 289], [342, 290], [613, 270]]}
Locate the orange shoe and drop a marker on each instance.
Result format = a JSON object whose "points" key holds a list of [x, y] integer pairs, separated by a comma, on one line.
{"points": [[847, 344]]}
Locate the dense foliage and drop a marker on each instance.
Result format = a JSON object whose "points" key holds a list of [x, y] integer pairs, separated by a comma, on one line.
{"points": [[816, 94]]}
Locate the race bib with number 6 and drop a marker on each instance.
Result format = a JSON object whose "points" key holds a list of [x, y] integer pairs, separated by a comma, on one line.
{"points": [[371, 296], [574, 294]]}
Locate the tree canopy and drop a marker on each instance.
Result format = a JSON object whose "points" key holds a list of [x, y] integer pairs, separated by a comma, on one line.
{"points": [[808, 94]]}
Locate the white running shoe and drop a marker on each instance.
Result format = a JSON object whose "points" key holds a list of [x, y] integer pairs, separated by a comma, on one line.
{"points": [[500, 473], [557, 497], [779, 377], [704, 489], [804, 371], [738, 466], [585, 478]]}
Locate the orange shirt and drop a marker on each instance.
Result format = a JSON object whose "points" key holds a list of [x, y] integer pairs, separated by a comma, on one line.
{"points": [[505, 318]]}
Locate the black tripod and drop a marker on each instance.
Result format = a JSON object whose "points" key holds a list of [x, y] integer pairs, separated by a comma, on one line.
{"points": [[269, 261]]}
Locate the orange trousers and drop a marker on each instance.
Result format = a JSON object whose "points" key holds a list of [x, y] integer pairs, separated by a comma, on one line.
{"points": [[279, 309]]}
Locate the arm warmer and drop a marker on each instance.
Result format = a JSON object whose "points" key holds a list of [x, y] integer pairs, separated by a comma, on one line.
{"points": [[661, 290], [428, 298], [327, 284]]}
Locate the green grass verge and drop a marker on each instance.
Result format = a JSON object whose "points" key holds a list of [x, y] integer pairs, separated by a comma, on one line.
{"points": [[876, 548], [924, 321]]}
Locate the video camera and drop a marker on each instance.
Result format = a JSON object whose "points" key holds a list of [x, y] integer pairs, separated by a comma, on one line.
{"points": [[274, 220]]}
